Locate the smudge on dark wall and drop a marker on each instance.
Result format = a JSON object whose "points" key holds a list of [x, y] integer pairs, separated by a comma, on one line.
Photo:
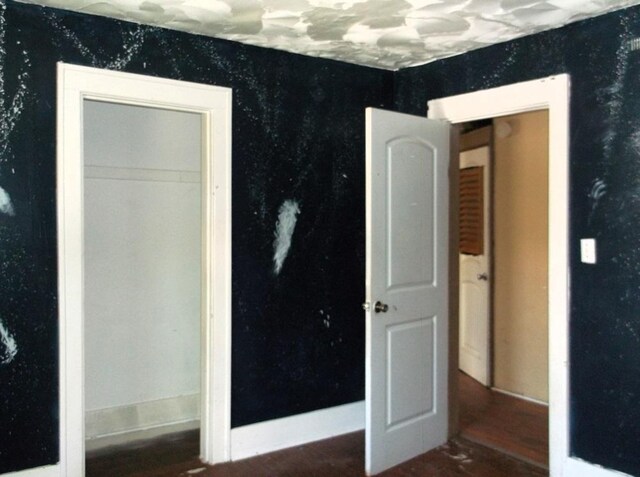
{"points": [[604, 204], [298, 133]]}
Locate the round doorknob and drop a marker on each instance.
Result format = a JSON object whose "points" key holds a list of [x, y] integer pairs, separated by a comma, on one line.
{"points": [[381, 307]]}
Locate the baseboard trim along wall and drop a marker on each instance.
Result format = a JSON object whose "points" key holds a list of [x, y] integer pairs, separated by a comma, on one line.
{"points": [[269, 436], [46, 471], [521, 396], [117, 425]]}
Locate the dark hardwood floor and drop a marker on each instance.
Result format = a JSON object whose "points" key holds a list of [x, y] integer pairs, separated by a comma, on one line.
{"points": [[514, 426], [343, 456], [494, 427]]}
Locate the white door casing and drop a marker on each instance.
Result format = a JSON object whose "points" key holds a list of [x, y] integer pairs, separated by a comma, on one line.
{"points": [[407, 259], [550, 93], [475, 342], [75, 84]]}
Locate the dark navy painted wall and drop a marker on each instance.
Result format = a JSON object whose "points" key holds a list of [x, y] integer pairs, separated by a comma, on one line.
{"points": [[605, 204], [298, 134]]}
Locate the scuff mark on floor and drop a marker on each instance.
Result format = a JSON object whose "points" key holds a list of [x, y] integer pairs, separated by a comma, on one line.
{"points": [[196, 471]]}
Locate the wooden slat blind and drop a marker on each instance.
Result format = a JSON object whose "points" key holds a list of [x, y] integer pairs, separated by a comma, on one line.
{"points": [[472, 210]]}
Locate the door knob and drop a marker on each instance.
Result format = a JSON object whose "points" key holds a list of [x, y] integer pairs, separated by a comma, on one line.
{"points": [[483, 276], [381, 307]]}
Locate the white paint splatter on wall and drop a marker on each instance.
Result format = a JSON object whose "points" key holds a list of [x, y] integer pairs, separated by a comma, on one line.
{"points": [[598, 190], [132, 41], [8, 345], [6, 207], [286, 224], [14, 105]]}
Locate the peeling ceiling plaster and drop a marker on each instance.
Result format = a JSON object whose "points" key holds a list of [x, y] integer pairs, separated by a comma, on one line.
{"points": [[390, 34]]}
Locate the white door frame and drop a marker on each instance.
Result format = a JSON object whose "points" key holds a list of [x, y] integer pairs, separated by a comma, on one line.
{"points": [[75, 84], [550, 93]]}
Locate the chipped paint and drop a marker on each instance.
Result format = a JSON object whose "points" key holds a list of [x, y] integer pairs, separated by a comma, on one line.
{"points": [[287, 218], [388, 34]]}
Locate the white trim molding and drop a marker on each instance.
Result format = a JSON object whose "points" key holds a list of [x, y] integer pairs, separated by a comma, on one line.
{"points": [[550, 93], [270, 436], [75, 84], [139, 416], [46, 471], [579, 468]]}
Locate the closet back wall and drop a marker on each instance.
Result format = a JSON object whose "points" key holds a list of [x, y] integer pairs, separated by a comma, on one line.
{"points": [[142, 267]]}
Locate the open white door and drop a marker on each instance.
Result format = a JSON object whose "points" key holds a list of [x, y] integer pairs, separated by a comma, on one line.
{"points": [[474, 265], [407, 283]]}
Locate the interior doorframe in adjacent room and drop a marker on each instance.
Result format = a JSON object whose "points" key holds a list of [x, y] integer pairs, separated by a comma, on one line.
{"points": [[550, 93], [470, 141], [213, 103]]}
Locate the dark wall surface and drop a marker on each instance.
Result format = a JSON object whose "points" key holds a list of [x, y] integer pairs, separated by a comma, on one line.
{"points": [[298, 152], [298, 136], [604, 204]]}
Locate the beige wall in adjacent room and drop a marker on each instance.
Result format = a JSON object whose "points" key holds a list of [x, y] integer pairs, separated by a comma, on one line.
{"points": [[520, 316]]}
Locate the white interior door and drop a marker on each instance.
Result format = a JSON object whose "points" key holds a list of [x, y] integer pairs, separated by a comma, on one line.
{"points": [[474, 358], [407, 261]]}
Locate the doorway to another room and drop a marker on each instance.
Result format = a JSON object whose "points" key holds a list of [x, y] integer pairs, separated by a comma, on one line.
{"points": [[503, 317], [143, 276], [145, 316]]}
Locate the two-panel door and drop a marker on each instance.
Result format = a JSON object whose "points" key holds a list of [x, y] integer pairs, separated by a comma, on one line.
{"points": [[407, 285]]}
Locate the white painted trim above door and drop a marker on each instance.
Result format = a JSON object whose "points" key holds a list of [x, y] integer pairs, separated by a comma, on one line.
{"points": [[75, 84], [550, 93]]}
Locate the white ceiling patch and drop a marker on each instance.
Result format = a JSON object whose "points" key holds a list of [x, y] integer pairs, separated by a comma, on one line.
{"points": [[287, 218]]}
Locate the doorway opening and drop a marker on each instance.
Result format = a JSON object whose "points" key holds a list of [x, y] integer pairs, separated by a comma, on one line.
{"points": [[143, 227], [503, 257], [136, 262], [552, 94]]}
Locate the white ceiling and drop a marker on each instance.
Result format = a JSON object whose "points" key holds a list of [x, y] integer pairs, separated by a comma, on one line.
{"points": [[388, 34]]}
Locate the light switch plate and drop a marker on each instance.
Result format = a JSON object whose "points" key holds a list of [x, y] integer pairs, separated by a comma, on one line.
{"points": [[588, 250]]}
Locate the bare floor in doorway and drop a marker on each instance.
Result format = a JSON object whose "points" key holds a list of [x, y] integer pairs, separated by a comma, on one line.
{"points": [[343, 456], [510, 425]]}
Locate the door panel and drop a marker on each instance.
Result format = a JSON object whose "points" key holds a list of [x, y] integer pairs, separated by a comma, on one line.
{"points": [[409, 398], [410, 246], [474, 357], [407, 258]]}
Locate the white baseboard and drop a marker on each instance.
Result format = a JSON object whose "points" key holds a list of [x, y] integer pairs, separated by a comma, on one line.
{"points": [[269, 436], [574, 467], [521, 396], [141, 435], [141, 416], [46, 471]]}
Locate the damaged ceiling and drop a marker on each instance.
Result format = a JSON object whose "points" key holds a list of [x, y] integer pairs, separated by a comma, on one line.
{"points": [[389, 34]]}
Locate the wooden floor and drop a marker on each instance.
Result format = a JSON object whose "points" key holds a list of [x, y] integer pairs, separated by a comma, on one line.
{"points": [[514, 426], [343, 456], [489, 421]]}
